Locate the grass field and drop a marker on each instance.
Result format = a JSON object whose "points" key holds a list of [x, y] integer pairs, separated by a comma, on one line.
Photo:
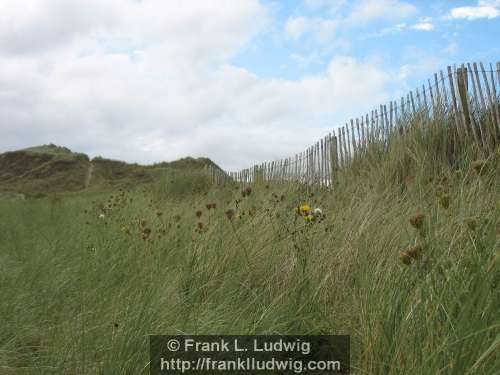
{"points": [[405, 260]]}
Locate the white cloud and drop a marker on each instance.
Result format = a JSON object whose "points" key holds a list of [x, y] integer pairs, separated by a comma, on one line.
{"points": [[151, 81], [452, 48], [418, 65], [388, 30], [295, 27], [324, 29], [321, 29], [484, 9], [360, 13], [306, 60], [187, 29], [423, 26], [332, 6], [369, 10], [33, 26]]}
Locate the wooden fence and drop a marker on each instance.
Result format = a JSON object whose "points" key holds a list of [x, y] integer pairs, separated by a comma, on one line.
{"points": [[467, 95]]}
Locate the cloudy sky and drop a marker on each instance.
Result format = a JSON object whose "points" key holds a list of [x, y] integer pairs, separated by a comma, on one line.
{"points": [[239, 81]]}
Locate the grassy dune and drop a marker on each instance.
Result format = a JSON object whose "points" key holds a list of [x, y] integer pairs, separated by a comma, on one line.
{"points": [[45, 170], [405, 260]]}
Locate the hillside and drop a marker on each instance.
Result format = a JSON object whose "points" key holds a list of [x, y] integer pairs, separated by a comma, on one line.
{"points": [[41, 170], [404, 258]]}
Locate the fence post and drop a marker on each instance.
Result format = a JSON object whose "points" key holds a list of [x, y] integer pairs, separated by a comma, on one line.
{"points": [[346, 150], [395, 116], [386, 125], [476, 125], [493, 104], [454, 101], [495, 100], [432, 104], [492, 100], [462, 88]]}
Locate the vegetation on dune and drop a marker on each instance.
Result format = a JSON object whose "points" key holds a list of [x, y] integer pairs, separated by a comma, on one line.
{"points": [[51, 149], [43, 170], [402, 254], [38, 173]]}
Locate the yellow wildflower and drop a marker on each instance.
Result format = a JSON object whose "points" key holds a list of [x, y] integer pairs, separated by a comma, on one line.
{"points": [[304, 209], [309, 218]]}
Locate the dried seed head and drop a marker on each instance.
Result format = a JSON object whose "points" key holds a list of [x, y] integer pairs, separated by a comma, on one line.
{"points": [[471, 223], [230, 214], [414, 252], [444, 200], [405, 258], [479, 166], [417, 221]]}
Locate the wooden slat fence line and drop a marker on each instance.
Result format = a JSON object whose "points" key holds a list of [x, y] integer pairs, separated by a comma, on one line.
{"points": [[469, 94]]}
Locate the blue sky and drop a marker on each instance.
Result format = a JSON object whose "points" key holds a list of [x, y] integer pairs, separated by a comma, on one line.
{"points": [[239, 81], [425, 36]]}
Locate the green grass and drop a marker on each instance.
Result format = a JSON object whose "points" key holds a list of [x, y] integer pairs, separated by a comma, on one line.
{"points": [[50, 149], [80, 294], [47, 170]]}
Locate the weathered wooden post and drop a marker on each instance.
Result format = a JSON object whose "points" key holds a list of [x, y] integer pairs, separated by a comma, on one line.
{"points": [[463, 93]]}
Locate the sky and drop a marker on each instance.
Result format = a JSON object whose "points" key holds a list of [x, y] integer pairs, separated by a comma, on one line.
{"points": [[238, 81]]}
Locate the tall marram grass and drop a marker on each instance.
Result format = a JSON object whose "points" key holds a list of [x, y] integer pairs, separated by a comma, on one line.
{"points": [[406, 261]]}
